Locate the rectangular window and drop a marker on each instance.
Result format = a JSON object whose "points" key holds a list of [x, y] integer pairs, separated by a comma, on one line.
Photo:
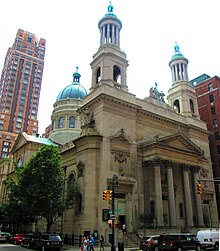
{"points": [[215, 123], [19, 119], [216, 135], [213, 110], [211, 99], [218, 149], [18, 125], [29, 39]]}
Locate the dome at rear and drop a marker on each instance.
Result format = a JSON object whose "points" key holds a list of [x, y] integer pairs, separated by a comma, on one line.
{"points": [[74, 90]]}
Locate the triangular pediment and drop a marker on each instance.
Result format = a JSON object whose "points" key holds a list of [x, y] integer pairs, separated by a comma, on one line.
{"points": [[19, 142], [175, 142]]}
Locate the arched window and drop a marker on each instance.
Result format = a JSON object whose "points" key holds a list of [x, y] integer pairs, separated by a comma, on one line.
{"points": [[61, 122], [116, 74], [71, 180], [191, 106], [176, 105], [210, 87], [72, 122], [98, 75], [53, 125], [71, 189], [20, 162]]}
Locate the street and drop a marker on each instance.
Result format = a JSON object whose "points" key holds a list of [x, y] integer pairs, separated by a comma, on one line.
{"points": [[10, 247]]}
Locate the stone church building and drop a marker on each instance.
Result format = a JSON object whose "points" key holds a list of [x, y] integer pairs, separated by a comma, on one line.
{"points": [[154, 152]]}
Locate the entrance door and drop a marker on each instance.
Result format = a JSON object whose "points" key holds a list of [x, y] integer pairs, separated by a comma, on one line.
{"points": [[121, 219]]}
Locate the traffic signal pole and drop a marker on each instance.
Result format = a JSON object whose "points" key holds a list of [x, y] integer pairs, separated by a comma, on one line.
{"points": [[113, 219], [114, 182]]}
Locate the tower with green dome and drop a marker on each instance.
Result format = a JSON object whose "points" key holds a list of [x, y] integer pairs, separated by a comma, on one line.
{"points": [[66, 123], [109, 65], [182, 96]]}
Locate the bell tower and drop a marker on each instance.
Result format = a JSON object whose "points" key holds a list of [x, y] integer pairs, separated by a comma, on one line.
{"points": [[182, 95], [109, 65]]}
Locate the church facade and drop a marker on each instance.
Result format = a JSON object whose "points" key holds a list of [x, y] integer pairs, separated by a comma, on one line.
{"points": [[152, 151], [158, 151]]}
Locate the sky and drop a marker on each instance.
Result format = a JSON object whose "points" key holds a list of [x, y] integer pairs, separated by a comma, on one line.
{"points": [[150, 29]]}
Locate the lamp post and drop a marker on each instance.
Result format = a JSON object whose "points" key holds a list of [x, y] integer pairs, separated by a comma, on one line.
{"points": [[114, 183]]}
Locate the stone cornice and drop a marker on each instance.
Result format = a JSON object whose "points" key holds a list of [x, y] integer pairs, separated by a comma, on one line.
{"points": [[105, 92], [168, 163]]}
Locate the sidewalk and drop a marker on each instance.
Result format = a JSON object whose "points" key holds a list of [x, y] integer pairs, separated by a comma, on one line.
{"points": [[96, 248]]}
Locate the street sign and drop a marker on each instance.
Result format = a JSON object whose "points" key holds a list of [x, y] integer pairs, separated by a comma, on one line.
{"points": [[116, 211]]}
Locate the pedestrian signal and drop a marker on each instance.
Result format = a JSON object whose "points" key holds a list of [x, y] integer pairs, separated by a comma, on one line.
{"points": [[199, 188], [110, 194], [105, 195]]}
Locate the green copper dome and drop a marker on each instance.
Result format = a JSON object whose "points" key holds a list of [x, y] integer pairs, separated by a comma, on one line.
{"points": [[74, 90], [177, 54]]}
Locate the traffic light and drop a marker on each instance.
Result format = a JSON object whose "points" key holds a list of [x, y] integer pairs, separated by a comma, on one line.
{"points": [[110, 194], [105, 195], [199, 188]]}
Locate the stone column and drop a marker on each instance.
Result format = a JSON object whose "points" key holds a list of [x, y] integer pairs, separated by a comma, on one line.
{"points": [[117, 36], [104, 35], [176, 73], [180, 72], [129, 225], [108, 32], [56, 123], [102, 40], [199, 211], [173, 74], [158, 196], [171, 197], [66, 121], [187, 195], [186, 72], [113, 34]]}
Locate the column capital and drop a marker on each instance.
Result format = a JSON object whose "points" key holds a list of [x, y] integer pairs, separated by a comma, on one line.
{"points": [[196, 169], [158, 161]]}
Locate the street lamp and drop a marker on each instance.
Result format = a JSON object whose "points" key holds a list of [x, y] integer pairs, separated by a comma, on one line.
{"points": [[114, 184]]}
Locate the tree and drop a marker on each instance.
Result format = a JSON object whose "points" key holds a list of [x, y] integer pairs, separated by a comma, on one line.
{"points": [[42, 183], [14, 212]]}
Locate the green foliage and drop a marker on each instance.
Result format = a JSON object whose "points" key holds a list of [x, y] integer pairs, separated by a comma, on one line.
{"points": [[42, 182], [71, 194], [38, 190]]}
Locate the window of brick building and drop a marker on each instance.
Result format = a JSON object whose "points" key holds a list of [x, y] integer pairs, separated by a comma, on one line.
{"points": [[210, 87], [217, 137], [218, 149], [211, 99], [215, 123], [213, 110]]}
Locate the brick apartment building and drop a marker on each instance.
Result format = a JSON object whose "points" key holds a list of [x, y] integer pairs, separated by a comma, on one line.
{"points": [[20, 86], [208, 91]]}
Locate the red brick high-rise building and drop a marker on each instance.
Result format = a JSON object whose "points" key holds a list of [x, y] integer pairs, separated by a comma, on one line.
{"points": [[208, 91], [20, 87]]}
